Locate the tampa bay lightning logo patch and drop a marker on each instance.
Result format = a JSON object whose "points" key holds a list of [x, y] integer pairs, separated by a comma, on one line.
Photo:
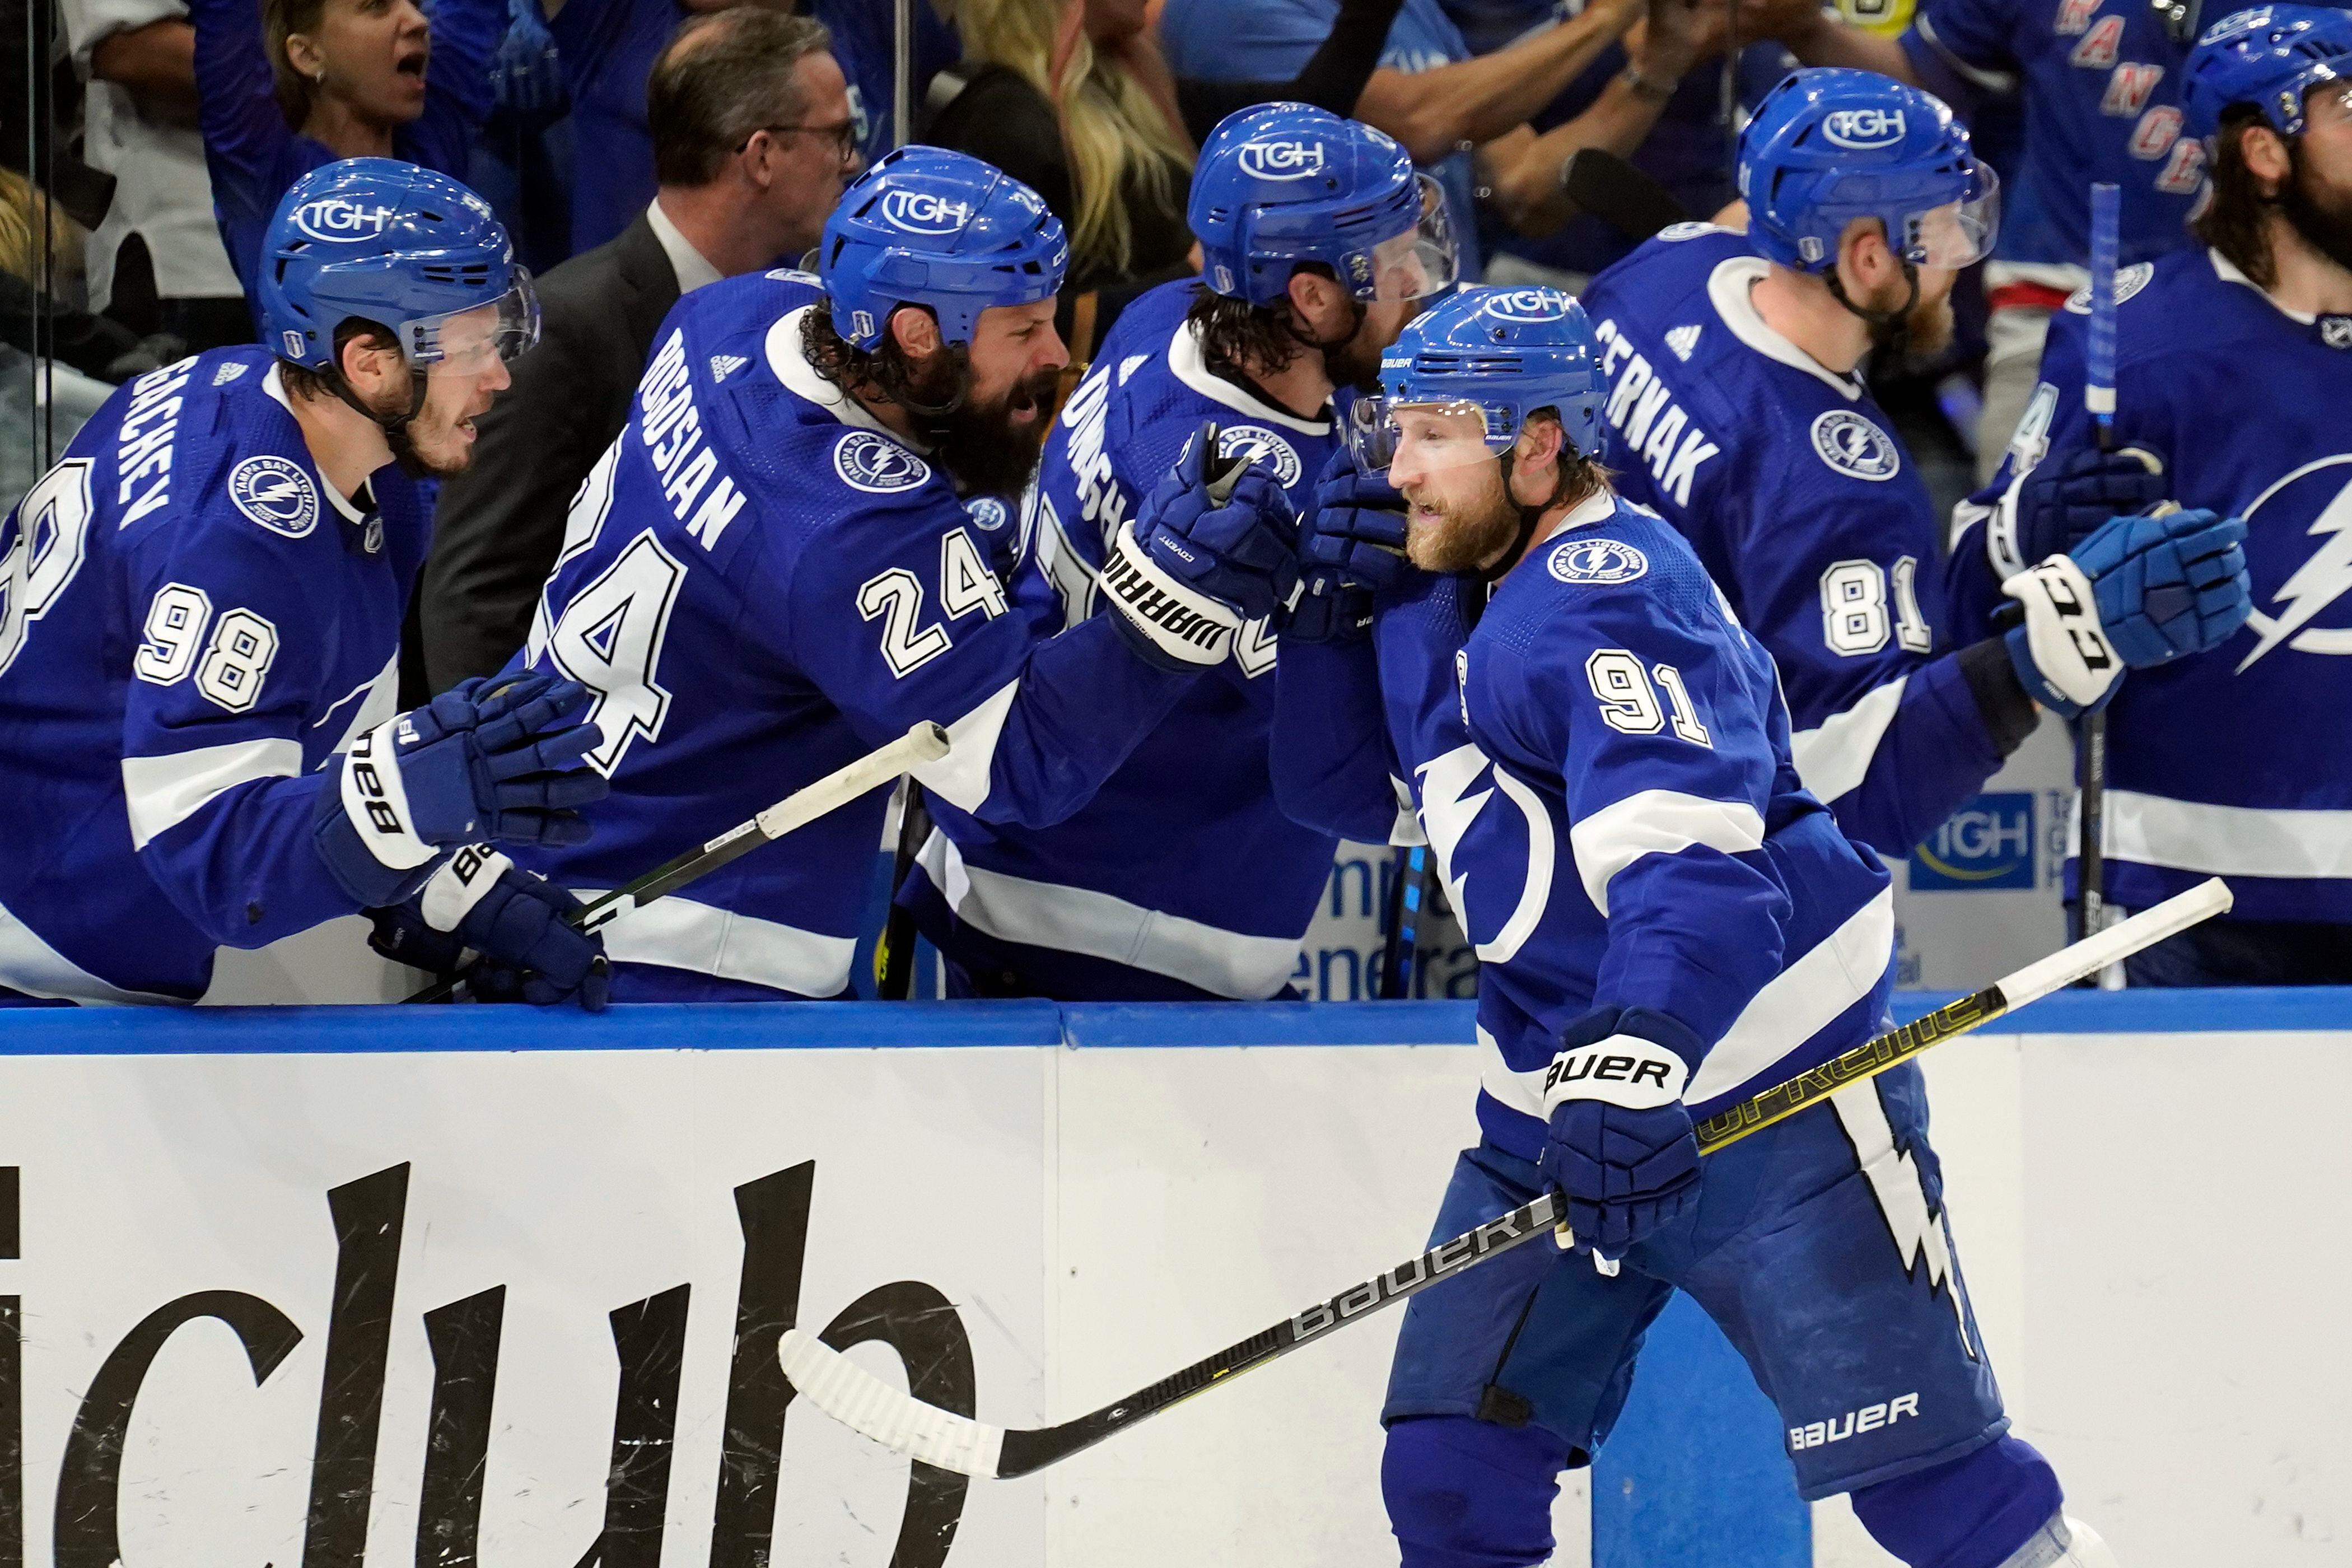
{"points": [[1260, 445], [1856, 448], [274, 493], [2129, 280], [1597, 561], [878, 464], [1673, 231], [987, 513]]}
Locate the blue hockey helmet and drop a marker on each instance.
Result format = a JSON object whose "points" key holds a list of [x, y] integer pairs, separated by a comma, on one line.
{"points": [[1499, 353], [1283, 183], [379, 241], [2268, 57], [1829, 145], [927, 227]]}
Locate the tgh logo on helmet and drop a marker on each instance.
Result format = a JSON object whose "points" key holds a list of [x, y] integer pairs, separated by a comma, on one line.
{"points": [[1864, 129], [921, 212], [1527, 305], [1282, 160], [341, 218]]}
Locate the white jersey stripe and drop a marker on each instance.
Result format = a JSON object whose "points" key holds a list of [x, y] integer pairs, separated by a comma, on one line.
{"points": [[1840, 969], [1833, 757], [679, 934], [31, 965], [1097, 925], [961, 777], [161, 793], [2223, 840], [1657, 822]]}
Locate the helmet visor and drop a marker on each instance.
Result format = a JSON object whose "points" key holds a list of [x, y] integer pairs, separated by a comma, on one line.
{"points": [[461, 343], [1421, 261], [1958, 234], [1409, 439]]}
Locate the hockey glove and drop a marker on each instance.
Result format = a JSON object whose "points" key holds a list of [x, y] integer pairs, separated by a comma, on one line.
{"points": [[1620, 1144], [2057, 506], [498, 759], [2140, 592], [526, 76], [1351, 542], [1213, 546], [480, 903]]}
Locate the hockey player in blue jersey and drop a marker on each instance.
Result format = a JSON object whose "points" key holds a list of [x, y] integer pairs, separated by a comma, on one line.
{"points": [[1736, 412], [1318, 240], [771, 573], [2098, 83], [2233, 372], [200, 610], [1667, 922]]}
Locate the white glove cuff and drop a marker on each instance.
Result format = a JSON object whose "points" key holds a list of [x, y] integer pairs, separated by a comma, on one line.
{"points": [[1181, 621], [376, 801], [2061, 628], [1623, 1069], [451, 893]]}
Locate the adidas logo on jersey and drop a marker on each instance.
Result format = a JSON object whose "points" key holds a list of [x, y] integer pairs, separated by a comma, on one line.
{"points": [[724, 365], [227, 372], [1681, 340]]}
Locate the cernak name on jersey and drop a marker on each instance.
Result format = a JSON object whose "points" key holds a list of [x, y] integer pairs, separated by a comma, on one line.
{"points": [[1643, 411]]}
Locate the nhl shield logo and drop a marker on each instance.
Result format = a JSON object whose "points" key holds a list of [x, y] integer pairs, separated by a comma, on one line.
{"points": [[878, 464], [1597, 561], [274, 493], [1856, 448], [2335, 332]]}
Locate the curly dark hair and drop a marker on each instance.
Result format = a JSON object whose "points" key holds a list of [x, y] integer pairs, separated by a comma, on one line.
{"points": [[1237, 335], [887, 369], [2235, 222]]}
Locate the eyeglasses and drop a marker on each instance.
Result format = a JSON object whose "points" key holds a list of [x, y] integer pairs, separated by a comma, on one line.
{"points": [[843, 134]]}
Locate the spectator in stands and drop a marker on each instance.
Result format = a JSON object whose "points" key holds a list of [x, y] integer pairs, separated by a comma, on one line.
{"points": [[608, 48], [292, 85], [753, 140], [1431, 94], [157, 263], [43, 405]]}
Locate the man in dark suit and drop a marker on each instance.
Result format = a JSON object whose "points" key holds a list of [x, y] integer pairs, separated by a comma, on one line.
{"points": [[753, 140]]}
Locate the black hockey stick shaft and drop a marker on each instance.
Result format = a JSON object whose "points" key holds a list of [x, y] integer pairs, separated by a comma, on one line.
{"points": [[1599, 182], [2099, 399], [924, 742], [863, 1402], [893, 961]]}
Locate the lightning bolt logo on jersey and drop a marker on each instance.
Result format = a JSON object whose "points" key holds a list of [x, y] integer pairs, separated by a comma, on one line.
{"points": [[2215, 764], [1087, 909]]}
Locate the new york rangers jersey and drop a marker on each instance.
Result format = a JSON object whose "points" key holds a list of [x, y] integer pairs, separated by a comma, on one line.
{"points": [[760, 583], [2231, 762], [1602, 765], [2100, 85], [1788, 482], [1181, 878], [192, 623]]}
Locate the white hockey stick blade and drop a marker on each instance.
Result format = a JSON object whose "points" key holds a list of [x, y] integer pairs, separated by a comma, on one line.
{"points": [[873, 1409], [2117, 942], [924, 742]]}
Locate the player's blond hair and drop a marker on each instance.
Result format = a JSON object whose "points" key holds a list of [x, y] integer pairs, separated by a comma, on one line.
{"points": [[27, 217], [1114, 127]]}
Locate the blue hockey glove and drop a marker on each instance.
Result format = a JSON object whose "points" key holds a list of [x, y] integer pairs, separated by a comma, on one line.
{"points": [[1356, 528], [2056, 506], [1214, 545], [526, 76], [2140, 592], [498, 759], [480, 903], [1351, 542], [1620, 1144], [2169, 585]]}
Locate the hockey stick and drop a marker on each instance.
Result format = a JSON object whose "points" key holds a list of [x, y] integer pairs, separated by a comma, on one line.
{"points": [[2099, 402], [1600, 182], [870, 1406], [894, 957], [924, 742], [1402, 948]]}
